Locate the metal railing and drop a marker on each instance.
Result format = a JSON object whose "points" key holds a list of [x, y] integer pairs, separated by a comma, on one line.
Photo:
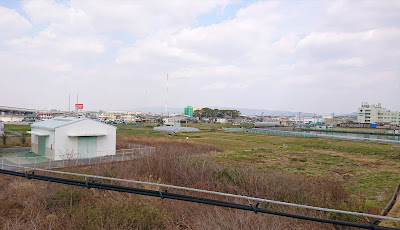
{"points": [[248, 198]]}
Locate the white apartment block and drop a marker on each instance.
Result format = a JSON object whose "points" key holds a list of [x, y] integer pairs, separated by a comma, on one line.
{"points": [[376, 114]]}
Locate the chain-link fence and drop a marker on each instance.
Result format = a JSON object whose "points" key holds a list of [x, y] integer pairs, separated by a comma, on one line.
{"points": [[44, 162]]}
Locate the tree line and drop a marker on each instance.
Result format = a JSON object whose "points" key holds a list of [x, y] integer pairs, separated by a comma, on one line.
{"points": [[207, 113]]}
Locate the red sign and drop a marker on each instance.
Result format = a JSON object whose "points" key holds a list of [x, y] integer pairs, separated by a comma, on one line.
{"points": [[78, 106]]}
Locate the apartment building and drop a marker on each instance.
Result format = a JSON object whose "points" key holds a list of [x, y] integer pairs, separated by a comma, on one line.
{"points": [[376, 114]]}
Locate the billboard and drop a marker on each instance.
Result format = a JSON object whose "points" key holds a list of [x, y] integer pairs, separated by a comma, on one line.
{"points": [[78, 106]]}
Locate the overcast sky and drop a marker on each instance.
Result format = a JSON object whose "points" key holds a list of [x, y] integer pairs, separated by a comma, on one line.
{"points": [[311, 56]]}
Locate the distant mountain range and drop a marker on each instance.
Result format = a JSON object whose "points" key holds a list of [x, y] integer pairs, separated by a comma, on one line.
{"points": [[244, 111]]}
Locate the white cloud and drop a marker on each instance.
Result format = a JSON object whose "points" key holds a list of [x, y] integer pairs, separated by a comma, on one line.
{"points": [[215, 86], [298, 55], [239, 86], [12, 24], [351, 62]]}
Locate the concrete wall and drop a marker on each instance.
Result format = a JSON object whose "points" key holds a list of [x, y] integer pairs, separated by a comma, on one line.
{"points": [[66, 146]]}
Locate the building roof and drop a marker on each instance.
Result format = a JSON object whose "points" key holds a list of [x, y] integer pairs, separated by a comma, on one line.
{"points": [[57, 122], [33, 116]]}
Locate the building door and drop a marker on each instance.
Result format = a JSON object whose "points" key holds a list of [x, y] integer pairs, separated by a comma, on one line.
{"points": [[41, 145], [87, 147]]}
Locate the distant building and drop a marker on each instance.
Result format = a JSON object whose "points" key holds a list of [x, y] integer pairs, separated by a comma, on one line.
{"points": [[32, 118], [376, 114], [333, 121], [69, 137], [173, 121], [221, 120], [189, 111], [286, 121]]}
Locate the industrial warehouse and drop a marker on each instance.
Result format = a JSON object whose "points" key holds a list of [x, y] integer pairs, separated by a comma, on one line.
{"points": [[68, 137]]}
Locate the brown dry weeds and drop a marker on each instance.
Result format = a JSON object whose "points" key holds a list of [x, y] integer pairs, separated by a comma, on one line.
{"points": [[42, 205]]}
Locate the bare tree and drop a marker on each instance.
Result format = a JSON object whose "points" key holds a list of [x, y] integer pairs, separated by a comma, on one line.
{"points": [[4, 137], [68, 154], [22, 138]]}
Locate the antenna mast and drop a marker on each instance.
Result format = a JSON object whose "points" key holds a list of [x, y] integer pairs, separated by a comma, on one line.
{"points": [[166, 100], [76, 109]]}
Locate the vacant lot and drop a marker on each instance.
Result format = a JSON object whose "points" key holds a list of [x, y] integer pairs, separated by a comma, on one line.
{"points": [[30, 204], [16, 136], [368, 169]]}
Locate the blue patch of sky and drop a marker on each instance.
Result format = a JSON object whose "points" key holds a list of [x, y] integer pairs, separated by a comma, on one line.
{"points": [[219, 14], [13, 4], [17, 6], [126, 38]]}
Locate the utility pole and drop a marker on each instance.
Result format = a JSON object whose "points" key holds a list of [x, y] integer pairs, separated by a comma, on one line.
{"points": [[69, 104], [76, 109]]}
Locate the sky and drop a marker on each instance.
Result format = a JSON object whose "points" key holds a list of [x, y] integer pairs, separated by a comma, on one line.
{"points": [[309, 56]]}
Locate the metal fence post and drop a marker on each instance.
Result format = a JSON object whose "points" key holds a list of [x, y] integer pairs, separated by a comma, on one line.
{"points": [[49, 163], [2, 162], [19, 161], [34, 165], [123, 156]]}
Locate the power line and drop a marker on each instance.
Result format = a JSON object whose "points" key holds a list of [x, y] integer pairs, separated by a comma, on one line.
{"points": [[216, 193], [194, 199]]}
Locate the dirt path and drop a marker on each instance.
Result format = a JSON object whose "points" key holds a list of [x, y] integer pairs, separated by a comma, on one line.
{"points": [[394, 210]]}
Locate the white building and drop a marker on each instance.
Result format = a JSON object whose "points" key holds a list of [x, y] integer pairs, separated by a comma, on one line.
{"points": [[376, 114], [221, 120], [173, 121], [65, 138]]}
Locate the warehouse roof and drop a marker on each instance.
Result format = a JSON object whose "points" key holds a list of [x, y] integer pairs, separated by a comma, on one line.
{"points": [[57, 122]]}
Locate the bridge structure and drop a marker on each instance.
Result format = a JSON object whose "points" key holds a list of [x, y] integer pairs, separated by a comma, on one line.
{"points": [[14, 111]]}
